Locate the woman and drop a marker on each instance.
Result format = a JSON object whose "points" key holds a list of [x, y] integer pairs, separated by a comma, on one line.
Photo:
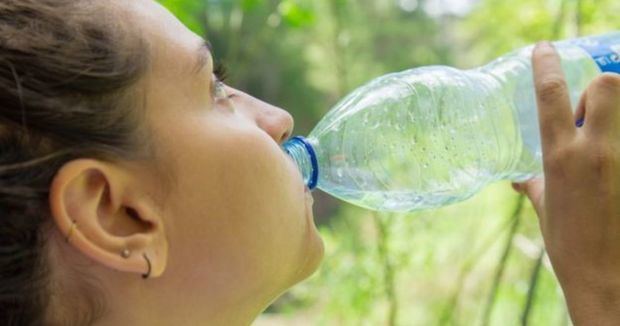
{"points": [[138, 189]]}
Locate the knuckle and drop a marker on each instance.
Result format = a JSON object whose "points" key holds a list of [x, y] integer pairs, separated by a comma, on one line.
{"points": [[555, 161], [603, 160], [608, 81], [551, 89]]}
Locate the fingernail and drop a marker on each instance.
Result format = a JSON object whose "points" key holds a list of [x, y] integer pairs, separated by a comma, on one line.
{"points": [[545, 44], [579, 123]]}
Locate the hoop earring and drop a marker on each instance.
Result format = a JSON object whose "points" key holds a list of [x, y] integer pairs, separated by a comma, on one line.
{"points": [[70, 232], [148, 263]]}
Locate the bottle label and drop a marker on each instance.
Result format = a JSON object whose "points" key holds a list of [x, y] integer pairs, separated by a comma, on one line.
{"points": [[606, 55]]}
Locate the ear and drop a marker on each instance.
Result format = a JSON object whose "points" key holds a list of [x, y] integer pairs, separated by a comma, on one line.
{"points": [[103, 211]]}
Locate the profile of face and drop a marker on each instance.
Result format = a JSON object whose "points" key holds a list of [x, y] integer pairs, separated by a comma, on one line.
{"points": [[226, 224]]}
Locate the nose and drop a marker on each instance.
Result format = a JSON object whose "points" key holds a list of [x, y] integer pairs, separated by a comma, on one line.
{"points": [[275, 121]]}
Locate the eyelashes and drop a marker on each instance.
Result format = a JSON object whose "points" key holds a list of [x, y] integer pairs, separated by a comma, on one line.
{"points": [[220, 71]]}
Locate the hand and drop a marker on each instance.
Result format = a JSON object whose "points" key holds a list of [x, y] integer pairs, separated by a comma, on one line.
{"points": [[578, 201]]}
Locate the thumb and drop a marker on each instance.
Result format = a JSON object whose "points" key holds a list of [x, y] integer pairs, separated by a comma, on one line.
{"points": [[534, 189]]}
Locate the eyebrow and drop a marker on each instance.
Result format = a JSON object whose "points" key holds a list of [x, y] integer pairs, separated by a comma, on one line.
{"points": [[202, 56]]}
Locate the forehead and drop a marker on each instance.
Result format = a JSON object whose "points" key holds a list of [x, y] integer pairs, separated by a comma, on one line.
{"points": [[174, 48], [169, 86]]}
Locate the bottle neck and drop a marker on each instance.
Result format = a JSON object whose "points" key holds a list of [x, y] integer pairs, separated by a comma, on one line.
{"points": [[304, 156]]}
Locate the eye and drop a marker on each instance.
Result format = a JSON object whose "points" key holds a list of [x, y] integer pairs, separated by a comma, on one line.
{"points": [[220, 95], [219, 90]]}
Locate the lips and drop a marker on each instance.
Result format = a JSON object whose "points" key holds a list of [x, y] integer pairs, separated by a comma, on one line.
{"points": [[308, 195]]}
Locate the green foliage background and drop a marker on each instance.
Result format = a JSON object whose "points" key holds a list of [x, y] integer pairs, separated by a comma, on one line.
{"points": [[477, 262]]}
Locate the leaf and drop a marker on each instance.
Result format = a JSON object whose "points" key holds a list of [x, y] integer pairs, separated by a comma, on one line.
{"points": [[250, 5], [295, 15]]}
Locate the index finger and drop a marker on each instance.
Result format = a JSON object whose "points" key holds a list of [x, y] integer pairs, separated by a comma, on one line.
{"points": [[554, 108]]}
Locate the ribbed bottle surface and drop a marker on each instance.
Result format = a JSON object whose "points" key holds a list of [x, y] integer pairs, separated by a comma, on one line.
{"points": [[432, 136]]}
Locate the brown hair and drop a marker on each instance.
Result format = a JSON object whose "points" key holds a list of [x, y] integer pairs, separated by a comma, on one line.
{"points": [[68, 81]]}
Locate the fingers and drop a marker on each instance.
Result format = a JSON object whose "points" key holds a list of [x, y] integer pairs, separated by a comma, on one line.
{"points": [[552, 96], [602, 105], [534, 190], [580, 114]]}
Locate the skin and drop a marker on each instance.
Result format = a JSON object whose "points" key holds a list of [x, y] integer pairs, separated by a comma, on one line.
{"points": [[578, 201], [222, 214]]}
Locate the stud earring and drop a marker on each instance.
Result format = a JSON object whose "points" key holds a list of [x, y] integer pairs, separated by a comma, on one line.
{"points": [[70, 232]]}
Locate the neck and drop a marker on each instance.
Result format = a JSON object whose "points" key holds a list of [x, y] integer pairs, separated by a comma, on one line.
{"points": [[153, 306]]}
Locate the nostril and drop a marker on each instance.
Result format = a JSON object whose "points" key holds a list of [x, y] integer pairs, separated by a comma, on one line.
{"points": [[285, 136]]}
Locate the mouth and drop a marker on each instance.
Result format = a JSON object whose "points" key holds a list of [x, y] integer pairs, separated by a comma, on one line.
{"points": [[307, 193]]}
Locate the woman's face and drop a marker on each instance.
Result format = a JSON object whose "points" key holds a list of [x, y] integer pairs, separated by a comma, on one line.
{"points": [[238, 218]]}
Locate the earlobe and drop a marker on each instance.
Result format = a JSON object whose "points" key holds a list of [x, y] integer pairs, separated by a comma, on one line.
{"points": [[104, 214]]}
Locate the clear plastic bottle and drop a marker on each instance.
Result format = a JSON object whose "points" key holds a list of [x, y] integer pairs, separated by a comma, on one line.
{"points": [[432, 136]]}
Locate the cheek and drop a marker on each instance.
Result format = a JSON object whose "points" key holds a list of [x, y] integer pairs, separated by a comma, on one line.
{"points": [[255, 172], [243, 212], [238, 196]]}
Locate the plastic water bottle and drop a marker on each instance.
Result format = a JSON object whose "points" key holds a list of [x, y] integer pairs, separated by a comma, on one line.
{"points": [[432, 136]]}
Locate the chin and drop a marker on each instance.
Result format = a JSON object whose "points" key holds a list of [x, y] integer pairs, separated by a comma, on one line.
{"points": [[314, 264], [313, 256]]}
